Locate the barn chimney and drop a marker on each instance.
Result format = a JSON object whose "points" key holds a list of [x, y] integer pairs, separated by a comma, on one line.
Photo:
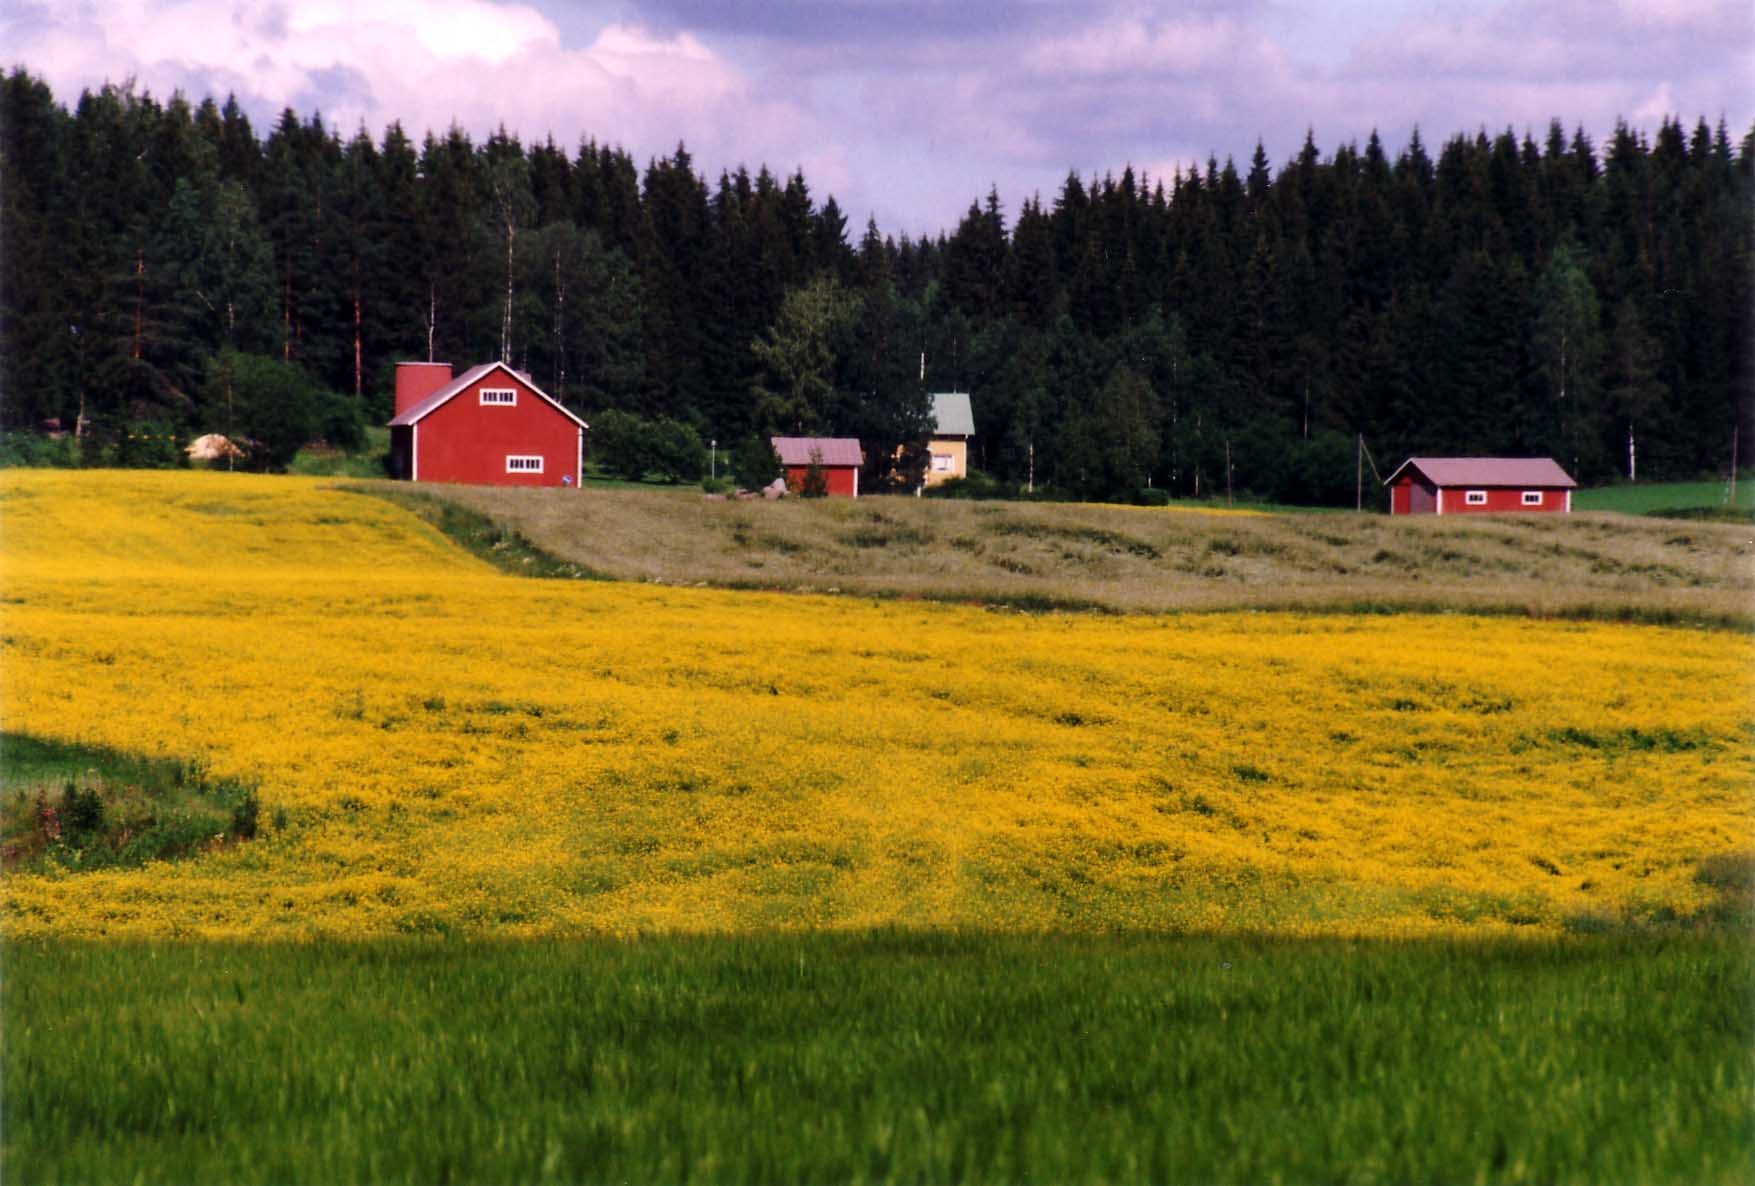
{"points": [[417, 380]]}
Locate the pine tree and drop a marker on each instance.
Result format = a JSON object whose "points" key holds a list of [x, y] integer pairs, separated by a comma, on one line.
{"points": [[510, 207], [1635, 400], [1568, 348], [361, 222], [395, 285], [799, 360], [39, 347]]}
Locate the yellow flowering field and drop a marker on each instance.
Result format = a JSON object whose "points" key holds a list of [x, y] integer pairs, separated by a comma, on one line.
{"points": [[444, 749]]}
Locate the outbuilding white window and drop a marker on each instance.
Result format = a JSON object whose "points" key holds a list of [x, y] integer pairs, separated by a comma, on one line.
{"points": [[523, 465], [1532, 498], [1475, 498], [504, 397], [943, 463]]}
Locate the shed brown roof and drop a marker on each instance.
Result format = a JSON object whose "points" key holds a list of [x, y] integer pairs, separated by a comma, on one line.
{"points": [[1529, 472], [829, 450]]}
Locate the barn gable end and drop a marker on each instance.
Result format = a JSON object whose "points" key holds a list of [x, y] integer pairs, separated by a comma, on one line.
{"points": [[489, 426]]}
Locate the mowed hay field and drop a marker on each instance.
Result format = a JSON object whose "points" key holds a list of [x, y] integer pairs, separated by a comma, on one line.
{"points": [[568, 881], [442, 749], [1198, 557]]}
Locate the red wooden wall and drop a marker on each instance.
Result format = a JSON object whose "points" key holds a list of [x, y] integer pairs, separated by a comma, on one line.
{"points": [[1410, 496], [842, 480], [464, 440], [1499, 501]]}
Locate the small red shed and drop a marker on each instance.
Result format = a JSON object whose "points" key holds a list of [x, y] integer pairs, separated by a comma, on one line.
{"points": [[1467, 485], [839, 457], [489, 426]]}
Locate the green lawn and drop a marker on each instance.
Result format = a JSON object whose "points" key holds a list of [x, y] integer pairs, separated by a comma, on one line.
{"points": [[882, 1057], [1654, 497]]}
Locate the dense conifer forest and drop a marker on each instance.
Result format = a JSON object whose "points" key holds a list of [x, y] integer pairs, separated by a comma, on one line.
{"points": [[167, 270]]}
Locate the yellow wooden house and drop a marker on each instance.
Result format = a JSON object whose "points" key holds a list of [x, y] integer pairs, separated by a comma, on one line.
{"points": [[953, 425]]}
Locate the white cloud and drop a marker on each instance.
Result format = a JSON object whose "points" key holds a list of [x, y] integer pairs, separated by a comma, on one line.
{"points": [[426, 63], [1132, 45], [1658, 105], [1687, 14]]}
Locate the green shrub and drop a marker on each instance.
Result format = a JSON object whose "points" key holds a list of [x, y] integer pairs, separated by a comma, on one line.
{"points": [[976, 485], [244, 816], [175, 833], [82, 810], [277, 406], [633, 448], [816, 481], [149, 444], [32, 450], [617, 444], [754, 463]]}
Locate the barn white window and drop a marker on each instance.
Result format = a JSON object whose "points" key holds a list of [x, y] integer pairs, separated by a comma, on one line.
{"points": [[523, 465], [943, 463], [1532, 498], [504, 397], [1475, 498]]}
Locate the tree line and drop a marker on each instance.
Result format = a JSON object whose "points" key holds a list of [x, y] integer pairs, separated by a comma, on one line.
{"points": [[1217, 327]]}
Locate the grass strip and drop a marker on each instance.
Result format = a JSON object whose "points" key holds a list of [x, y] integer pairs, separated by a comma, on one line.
{"points": [[506, 548], [1707, 514], [888, 1056], [66, 807], [837, 549]]}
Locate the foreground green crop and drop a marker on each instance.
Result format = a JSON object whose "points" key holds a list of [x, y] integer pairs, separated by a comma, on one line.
{"points": [[884, 1056]]}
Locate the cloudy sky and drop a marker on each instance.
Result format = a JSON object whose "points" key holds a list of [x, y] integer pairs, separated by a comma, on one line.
{"points": [[908, 109]]}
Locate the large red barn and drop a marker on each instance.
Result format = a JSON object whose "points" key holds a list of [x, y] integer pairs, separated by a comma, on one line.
{"points": [[489, 426], [838, 457], [1471, 485]]}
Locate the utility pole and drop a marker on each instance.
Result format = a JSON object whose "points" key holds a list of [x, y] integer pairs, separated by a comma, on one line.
{"points": [[1359, 475], [1735, 428]]}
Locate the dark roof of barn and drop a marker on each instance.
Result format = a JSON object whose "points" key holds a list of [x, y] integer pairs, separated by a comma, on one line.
{"points": [[467, 379], [829, 450], [1527, 472]]}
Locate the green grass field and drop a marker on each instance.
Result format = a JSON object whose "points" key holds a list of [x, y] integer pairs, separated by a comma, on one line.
{"points": [[882, 1057], [1660, 497]]}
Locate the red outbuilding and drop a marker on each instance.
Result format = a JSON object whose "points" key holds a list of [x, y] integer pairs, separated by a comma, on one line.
{"points": [[489, 426], [1466, 485], [838, 457]]}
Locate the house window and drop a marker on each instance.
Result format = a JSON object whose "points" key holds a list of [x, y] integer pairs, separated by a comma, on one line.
{"points": [[1532, 498], [524, 465], [1475, 498], [504, 397], [943, 463]]}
